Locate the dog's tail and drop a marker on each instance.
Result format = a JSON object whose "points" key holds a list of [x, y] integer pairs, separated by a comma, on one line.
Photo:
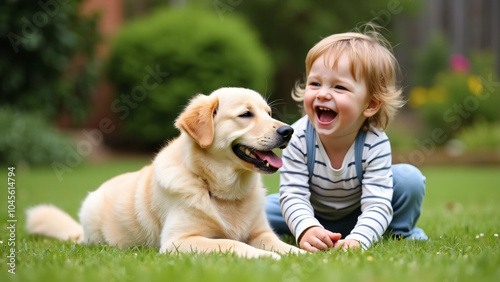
{"points": [[50, 221]]}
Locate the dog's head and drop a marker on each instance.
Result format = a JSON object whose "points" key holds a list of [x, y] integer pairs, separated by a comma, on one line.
{"points": [[236, 124]]}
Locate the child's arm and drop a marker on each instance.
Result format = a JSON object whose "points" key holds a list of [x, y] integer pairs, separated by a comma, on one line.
{"points": [[294, 185], [376, 197]]}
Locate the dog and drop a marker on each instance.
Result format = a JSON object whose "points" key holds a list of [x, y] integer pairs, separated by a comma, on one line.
{"points": [[202, 193]]}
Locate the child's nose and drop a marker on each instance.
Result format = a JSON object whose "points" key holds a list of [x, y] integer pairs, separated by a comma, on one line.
{"points": [[324, 94]]}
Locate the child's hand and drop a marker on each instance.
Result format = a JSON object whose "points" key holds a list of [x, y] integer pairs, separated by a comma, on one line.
{"points": [[317, 238], [347, 244]]}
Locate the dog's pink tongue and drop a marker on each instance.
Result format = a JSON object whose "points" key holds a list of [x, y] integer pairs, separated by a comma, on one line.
{"points": [[271, 158]]}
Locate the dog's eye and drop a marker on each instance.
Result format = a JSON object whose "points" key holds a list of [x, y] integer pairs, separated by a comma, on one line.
{"points": [[246, 114]]}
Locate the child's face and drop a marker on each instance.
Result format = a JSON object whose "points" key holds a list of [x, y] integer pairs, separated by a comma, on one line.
{"points": [[334, 101]]}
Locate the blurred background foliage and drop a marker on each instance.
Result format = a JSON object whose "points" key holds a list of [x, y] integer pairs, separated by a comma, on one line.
{"points": [[49, 70], [47, 62], [47, 67], [456, 94], [195, 52], [27, 138]]}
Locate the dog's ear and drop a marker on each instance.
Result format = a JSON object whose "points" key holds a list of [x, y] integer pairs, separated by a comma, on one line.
{"points": [[197, 120]]}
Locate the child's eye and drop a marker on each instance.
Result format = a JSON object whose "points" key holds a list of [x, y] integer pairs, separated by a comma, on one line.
{"points": [[340, 87], [316, 84]]}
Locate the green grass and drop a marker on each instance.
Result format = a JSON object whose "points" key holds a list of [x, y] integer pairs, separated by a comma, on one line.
{"points": [[461, 204]]}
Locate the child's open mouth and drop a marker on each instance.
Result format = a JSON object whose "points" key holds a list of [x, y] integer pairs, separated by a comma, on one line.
{"points": [[325, 115]]}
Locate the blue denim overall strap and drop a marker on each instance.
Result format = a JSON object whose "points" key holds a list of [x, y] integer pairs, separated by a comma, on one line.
{"points": [[311, 150]]}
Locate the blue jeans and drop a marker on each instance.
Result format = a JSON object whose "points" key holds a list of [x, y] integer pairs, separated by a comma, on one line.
{"points": [[409, 191]]}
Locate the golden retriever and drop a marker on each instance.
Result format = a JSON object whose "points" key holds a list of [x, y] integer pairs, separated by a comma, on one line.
{"points": [[202, 193]]}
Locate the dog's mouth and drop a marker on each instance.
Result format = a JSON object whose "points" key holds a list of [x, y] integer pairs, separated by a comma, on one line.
{"points": [[265, 161]]}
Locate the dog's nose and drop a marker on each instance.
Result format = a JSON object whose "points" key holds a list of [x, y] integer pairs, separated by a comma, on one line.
{"points": [[285, 131]]}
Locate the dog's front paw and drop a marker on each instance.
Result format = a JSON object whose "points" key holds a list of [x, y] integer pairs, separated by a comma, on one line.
{"points": [[275, 256], [260, 254], [289, 249], [296, 251]]}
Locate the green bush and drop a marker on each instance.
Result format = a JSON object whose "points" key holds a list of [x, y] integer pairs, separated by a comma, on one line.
{"points": [[28, 139], [157, 63], [47, 59], [463, 93], [456, 100], [431, 60], [481, 136]]}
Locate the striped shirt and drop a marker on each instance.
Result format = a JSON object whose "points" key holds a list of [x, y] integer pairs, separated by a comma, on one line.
{"points": [[334, 193]]}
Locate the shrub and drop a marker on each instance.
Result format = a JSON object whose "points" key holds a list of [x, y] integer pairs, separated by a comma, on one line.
{"points": [[462, 94], [157, 63], [28, 139], [431, 60], [47, 57], [481, 136]]}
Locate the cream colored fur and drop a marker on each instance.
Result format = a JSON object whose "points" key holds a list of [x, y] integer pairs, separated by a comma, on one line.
{"points": [[196, 196]]}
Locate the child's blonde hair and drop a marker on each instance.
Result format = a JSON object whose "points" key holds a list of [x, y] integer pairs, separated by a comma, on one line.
{"points": [[373, 54]]}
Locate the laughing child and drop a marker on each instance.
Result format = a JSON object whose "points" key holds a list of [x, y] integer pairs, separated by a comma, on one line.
{"points": [[350, 91]]}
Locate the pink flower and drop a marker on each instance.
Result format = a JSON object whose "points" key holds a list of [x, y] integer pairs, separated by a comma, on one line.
{"points": [[459, 63]]}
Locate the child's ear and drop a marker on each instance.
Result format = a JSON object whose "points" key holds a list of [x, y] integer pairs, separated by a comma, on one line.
{"points": [[372, 108]]}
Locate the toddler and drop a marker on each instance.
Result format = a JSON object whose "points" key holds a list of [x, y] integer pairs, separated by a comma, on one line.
{"points": [[344, 201]]}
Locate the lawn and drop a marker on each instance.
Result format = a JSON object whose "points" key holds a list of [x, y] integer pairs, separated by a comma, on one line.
{"points": [[460, 215]]}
